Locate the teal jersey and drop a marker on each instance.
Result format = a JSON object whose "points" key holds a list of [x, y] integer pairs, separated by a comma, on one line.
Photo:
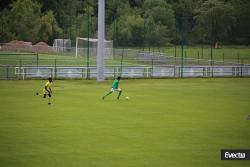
{"points": [[115, 84]]}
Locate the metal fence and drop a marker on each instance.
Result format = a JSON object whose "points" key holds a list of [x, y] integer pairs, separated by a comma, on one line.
{"points": [[128, 63], [125, 56], [74, 72]]}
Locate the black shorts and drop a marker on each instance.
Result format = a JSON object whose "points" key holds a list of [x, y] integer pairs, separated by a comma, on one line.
{"points": [[44, 95]]}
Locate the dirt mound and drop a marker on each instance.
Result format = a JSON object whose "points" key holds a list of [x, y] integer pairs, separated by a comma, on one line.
{"points": [[44, 48], [18, 46], [21, 46]]}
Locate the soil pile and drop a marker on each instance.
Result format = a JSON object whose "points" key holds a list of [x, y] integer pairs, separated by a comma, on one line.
{"points": [[21, 46]]}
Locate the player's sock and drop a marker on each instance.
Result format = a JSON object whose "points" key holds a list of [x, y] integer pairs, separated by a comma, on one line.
{"points": [[119, 94]]}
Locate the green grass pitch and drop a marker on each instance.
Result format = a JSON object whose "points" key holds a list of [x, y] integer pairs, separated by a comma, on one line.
{"points": [[166, 122]]}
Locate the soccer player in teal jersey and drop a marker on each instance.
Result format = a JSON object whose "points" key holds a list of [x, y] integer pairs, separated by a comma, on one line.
{"points": [[115, 87]]}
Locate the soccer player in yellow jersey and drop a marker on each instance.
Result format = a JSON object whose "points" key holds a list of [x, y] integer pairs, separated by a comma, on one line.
{"points": [[47, 90]]}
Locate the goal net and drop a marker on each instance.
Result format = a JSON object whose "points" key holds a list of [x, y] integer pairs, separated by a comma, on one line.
{"points": [[82, 47], [62, 45]]}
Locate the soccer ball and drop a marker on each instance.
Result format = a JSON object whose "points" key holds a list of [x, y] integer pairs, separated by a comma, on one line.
{"points": [[127, 98]]}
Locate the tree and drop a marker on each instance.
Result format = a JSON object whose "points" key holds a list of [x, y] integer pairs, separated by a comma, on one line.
{"points": [[241, 30], [5, 33], [5, 4], [128, 22], [24, 20], [184, 20], [114, 9], [48, 27], [159, 19], [216, 19], [130, 30]]}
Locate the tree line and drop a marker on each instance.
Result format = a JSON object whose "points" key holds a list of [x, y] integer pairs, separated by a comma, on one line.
{"points": [[141, 23]]}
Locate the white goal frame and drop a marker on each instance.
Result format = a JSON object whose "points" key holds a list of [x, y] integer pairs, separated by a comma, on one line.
{"points": [[62, 45], [108, 47]]}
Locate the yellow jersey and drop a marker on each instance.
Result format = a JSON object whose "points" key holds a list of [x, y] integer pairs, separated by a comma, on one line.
{"points": [[48, 86]]}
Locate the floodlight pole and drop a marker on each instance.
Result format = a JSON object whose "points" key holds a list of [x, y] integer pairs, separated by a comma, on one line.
{"points": [[101, 36]]}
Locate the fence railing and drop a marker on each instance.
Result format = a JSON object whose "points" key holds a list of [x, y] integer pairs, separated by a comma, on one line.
{"points": [[121, 56], [79, 72], [127, 63]]}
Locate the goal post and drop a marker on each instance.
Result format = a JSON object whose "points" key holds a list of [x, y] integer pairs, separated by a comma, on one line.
{"points": [[62, 45], [82, 47]]}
